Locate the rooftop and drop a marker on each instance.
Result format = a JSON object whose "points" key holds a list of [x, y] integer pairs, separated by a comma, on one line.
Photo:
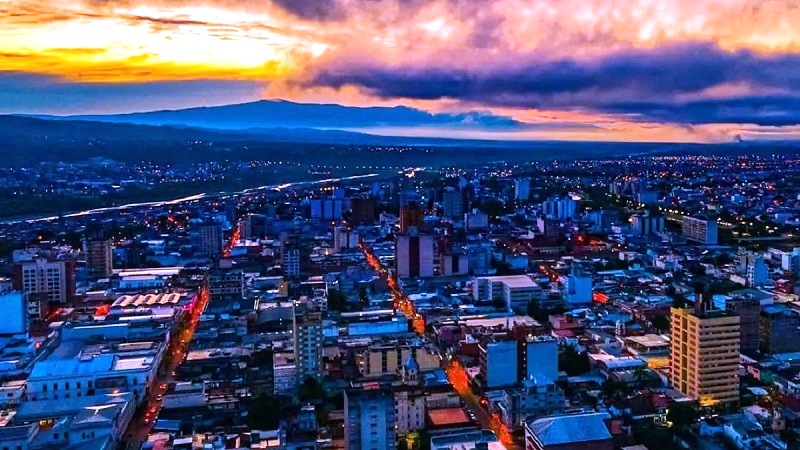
{"points": [[571, 429]]}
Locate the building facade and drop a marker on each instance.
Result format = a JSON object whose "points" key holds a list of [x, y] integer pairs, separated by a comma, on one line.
{"points": [[414, 255], [369, 417], [700, 229], [54, 279], [99, 257], [704, 355]]}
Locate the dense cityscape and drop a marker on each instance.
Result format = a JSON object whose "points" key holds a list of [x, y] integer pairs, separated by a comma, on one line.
{"points": [[399, 224], [647, 301]]}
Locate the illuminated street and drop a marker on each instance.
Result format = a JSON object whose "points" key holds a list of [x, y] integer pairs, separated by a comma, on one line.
{"points": [[179, 344]]}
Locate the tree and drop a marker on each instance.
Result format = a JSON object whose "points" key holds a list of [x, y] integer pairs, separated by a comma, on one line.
{"points": [[402, 444], [337, 301], [311, 389], [682, 415], [572, 362], [660, 323], [264, 412], [679, 301], [640, 375]]}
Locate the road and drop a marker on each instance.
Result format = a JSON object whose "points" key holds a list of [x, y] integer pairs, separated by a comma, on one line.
{"points": [[141, 424], [400, 299], [456, 374]]}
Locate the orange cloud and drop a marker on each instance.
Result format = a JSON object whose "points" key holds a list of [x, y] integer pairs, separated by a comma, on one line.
{"points": [[283, 42]]}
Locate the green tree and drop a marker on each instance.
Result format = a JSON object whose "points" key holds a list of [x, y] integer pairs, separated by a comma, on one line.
{"points": [[311, 389], [573, 362], [660, 323], [682, 415], [264, 412], [402, 444], [337, 301], [640, 375], [679, 301]]}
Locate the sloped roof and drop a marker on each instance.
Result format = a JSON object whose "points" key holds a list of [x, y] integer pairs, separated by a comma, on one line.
{"points": [[571, 428]]}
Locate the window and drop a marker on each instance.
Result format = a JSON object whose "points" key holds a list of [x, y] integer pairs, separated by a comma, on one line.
{"points": [[55, 386]]}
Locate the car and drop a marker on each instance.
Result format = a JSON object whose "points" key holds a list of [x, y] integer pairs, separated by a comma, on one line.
{"points": [[147, 420], [159, 397], [163, 387], [152, 410]]}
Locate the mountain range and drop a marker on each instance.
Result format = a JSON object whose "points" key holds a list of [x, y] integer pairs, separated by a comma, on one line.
{"points": [[269, 114]]}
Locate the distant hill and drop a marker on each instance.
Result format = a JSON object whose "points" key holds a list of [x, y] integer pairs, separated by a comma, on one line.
{"points": [[26, 141], [285, 114]]}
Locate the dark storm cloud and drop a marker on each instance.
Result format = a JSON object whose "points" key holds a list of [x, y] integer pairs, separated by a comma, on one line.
{"points": [[647, 83], [756, 110], [323, 10]]}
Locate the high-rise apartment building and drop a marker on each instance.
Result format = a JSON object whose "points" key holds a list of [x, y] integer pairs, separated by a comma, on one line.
{"points": [[369, 417], [748, 308], [704, 353], [414, 254], [779, 329], [498, 363], [410, 217], [99, 257], [700, 229], [210, 239], [307, 333], [452, 203], [522, 189], [362, 209], [54, 279]]}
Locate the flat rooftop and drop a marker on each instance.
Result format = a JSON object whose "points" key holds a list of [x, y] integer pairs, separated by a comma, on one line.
{"points": [[448, 416], [513, 281]]}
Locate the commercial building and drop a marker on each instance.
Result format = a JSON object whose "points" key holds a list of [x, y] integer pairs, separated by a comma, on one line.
{"points": [[327, 208], [541, 358], [210, 239], [362, 210], [227, 282], [99, 257], [414, 255], [704, 353], [344, 238], [410, 217], [537, 397], [14, 306], [452, 202], [388, 359], [498, 364], [748, 308], [645, 224], [54, 279], [579, 287], [516, 291], [291, 262], [569, 432], [700, 229], [560, 208], [476, 220], [779, 330], [369, 417]]}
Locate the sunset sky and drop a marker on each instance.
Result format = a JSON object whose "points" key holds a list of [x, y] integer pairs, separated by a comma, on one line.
{"points": [[650, 70]]}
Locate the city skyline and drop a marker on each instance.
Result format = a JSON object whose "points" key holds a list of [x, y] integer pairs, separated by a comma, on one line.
{"points": [[701, 71]]}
